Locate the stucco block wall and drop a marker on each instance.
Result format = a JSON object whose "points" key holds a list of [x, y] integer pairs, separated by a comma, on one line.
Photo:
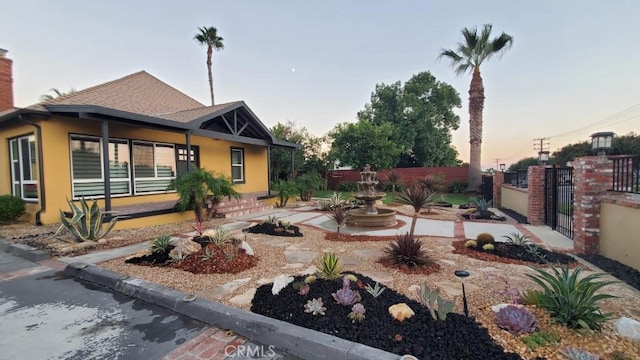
{"points": [[619, 227], [515, 199]]}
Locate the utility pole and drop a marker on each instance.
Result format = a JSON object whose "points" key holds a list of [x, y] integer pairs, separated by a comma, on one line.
{"points": [[497, 165], [541, 144]]}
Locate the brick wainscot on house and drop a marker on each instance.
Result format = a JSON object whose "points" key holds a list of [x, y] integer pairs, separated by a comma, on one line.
{"points": [[55, 150]]}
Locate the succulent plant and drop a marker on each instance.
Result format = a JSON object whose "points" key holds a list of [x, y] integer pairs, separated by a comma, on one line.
{"points": [[284, 224], [376, 290], [406, 250], [485, 238], [177, 257], [218, 236], [540, 338], [351, 277], [488, 247], [357, 313], [516, 319], [470, 244], [346, 296], [304, 290], [161, 244], [573, 353], [330, 267], [517, 238], [315, 307], [271, 219], [531, 297], [310, 279], [207, 255], [438, 307]]}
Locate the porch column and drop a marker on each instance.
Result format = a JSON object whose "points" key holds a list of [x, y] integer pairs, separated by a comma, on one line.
{"points": [[188, 142], [535, 207], [498, 180], [593, 177], [268, 169], [105, 165]]}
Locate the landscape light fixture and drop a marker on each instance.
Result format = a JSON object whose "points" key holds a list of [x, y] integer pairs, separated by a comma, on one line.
{"points": [[463, 274], [502, 166], [601, 142], [543, 157]]}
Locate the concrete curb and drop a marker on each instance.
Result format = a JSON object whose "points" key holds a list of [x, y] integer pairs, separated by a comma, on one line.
{"points": [[24, 251], [292, 339]]}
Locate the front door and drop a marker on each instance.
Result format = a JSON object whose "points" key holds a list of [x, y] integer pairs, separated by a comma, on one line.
{"points": [[181, 158]]}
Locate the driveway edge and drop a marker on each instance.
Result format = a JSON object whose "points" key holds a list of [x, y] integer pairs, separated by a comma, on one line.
{"points": [[292, 339]]}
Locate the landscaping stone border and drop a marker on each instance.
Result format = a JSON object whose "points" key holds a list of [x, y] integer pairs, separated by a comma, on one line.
{"points": [[292, 339], [24, 251]]}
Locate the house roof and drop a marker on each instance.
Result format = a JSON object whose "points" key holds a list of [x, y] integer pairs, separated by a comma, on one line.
{"points": [[144, 100]]}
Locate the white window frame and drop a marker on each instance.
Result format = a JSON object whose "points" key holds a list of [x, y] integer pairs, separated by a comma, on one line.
{"points": [[101, 179], [155, 166], [18, 179], [241, 165]]}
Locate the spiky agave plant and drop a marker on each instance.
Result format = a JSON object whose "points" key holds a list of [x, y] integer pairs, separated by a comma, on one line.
{"points": [[417, 197], [329, 267], [86, 222], [161, 244], [406, 250]]}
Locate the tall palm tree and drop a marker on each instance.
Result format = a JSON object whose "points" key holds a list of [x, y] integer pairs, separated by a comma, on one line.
{"points": [[469, 55], [209, 36], [56, 93]]}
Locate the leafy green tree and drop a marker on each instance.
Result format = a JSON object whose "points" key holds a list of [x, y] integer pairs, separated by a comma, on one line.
{"points": [[422, 117], [209, 36], [311, 157], [523, 164], [362, 143], [628, 144], [468, 57]]}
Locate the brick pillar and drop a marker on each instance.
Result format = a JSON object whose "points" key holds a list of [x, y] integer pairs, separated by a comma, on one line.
{"points": [[6, 82], [498, 180], [535, 208], [592, 177]]}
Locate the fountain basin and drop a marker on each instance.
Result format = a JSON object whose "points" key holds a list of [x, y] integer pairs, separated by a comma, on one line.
{"points": [[360, 218]]}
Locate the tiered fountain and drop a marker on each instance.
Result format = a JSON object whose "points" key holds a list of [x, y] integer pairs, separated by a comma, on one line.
{"points": [[370, 216]]}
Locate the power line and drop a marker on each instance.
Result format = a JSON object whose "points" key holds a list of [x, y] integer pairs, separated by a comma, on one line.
{"points": [[542, 145], [616, 118]]}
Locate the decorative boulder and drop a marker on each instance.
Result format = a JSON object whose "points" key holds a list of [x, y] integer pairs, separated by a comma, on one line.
{"points": [[628, 328], [401, 311], [247, 248], [280, 283], [186, 247]]}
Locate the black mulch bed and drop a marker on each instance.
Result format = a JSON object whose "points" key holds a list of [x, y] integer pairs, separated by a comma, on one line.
{"points": [[442, 204], [621, 271], [157, 259], [518, 252], [457, 337], [483, 215], [521, 219], [273, 229]]}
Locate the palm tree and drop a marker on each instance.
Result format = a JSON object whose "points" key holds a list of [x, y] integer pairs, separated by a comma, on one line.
{"points": [[56, 93], [209, 36], [476, 48]]}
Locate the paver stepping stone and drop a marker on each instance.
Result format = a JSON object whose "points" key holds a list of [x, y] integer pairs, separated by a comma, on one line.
{"points": [[220, 291], [350, 261], [448, 262], [296, 256], [310, 270], [277, 243], [488, 269], [301, 246], [453, 289], [244, 298], [264, 281], [369, 253], [379, 276]]}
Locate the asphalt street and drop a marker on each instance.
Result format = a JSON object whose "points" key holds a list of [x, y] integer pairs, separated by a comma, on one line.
{"points": [[47, 315]]}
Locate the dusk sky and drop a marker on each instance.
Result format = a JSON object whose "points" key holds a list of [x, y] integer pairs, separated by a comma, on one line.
{"points": [[573, 63]]}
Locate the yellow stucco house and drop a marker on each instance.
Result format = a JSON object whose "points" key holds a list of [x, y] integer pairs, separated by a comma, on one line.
{"points": [[55, 150]]}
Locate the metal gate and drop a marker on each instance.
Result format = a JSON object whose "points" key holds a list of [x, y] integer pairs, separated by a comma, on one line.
{"points": [[558, 195], [487, 187]]}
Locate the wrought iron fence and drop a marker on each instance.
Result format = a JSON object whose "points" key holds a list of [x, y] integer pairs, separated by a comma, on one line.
{"points": [[626, 174], [516, 178]]}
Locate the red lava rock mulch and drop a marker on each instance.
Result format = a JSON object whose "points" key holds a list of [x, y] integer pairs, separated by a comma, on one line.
{"points": [[431, 268], [459, 248], [224, 259]]}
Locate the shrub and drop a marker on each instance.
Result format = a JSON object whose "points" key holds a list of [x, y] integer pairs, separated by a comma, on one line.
{"points": [[432, 183], [348, 186], [285, 189], [161, 244], [570, 300], [11, 208], [406, 250], [457, 187], [470, 244], [485, 238], [309, 182], [516, 320], [86, 222]]}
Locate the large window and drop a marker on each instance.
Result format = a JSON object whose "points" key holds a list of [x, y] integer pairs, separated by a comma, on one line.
{"points": [[24, 174], [154, 166], [237, 165], [87, 166]]}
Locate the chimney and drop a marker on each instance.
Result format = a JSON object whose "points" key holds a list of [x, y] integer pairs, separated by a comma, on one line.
{"points": [[6, 81]]}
